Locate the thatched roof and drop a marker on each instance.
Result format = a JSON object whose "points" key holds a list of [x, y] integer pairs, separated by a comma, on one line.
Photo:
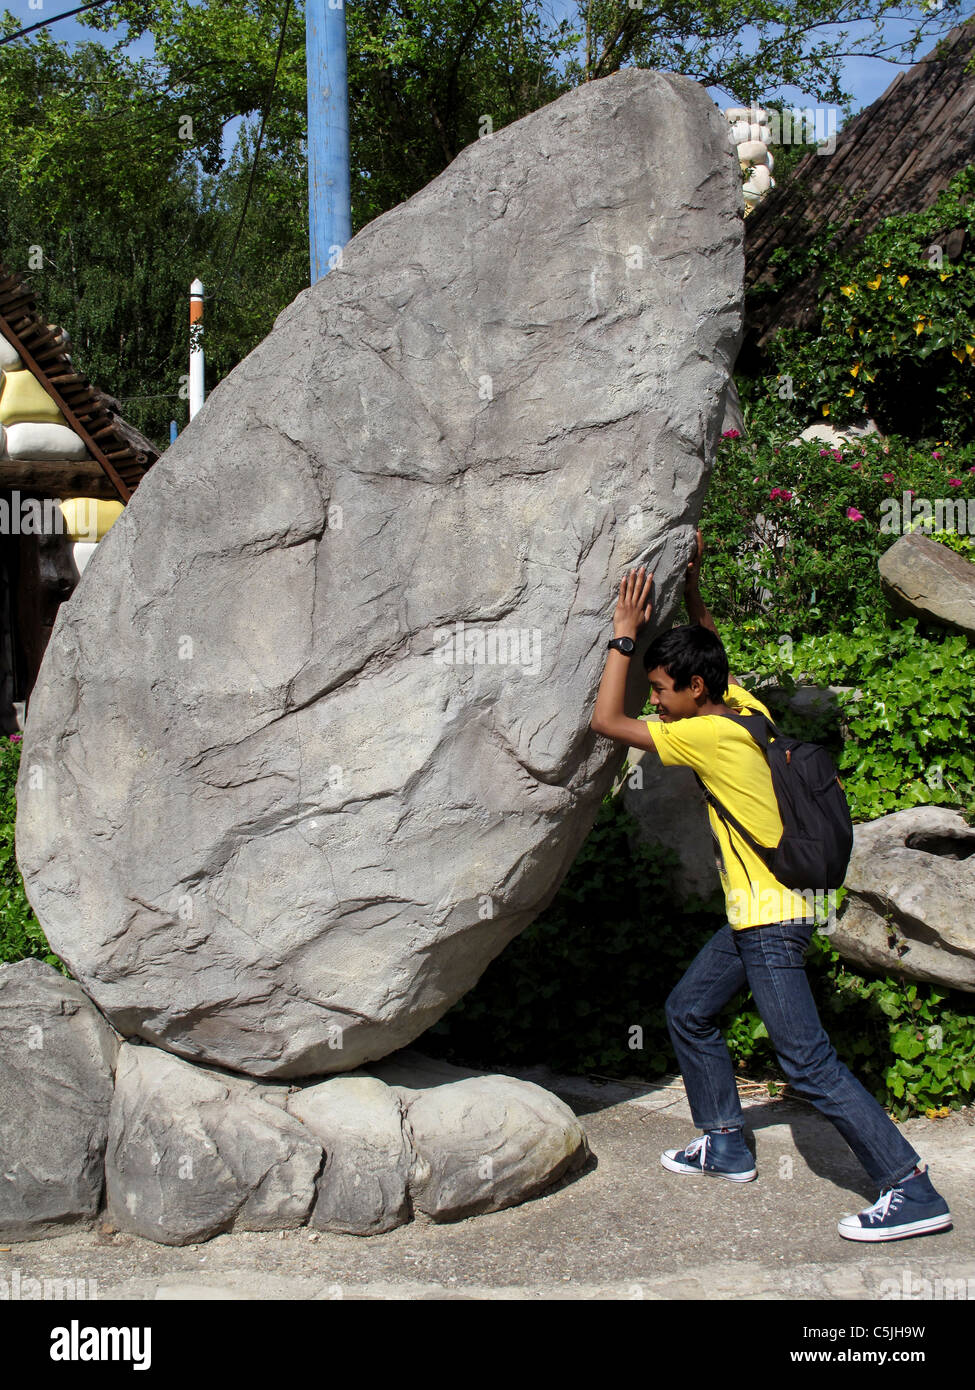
{"points": [[896, 156], [119, 456]]}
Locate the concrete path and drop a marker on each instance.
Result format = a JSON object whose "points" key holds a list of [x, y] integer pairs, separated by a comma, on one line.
{"points": [[623, 1228]]}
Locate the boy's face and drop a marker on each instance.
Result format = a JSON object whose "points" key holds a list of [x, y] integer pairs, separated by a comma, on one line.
{"points": [[674, 704]]}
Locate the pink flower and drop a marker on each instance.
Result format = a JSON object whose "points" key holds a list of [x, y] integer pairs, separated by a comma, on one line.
{"points": [[889, 477], [854, 515], [857, 464], [972, 469], [863, 453], [824, 453], [936, 455], [731, 434], [782, 492], [838, 455], [955, 482], [16, 738], [886, 448], [754, 480]]}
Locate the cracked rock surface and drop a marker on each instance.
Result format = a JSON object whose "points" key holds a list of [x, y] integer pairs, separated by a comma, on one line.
{"points": [[310, 743], [193, 1152], [57, 1056]]}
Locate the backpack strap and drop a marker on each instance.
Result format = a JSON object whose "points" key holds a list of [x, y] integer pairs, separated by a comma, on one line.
{"points": [[763, 851], [759, 726], [759, 732]]}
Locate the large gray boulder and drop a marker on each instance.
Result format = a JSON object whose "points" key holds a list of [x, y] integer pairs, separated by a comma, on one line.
{"points": [[311, 739], [910, 909], [57, 1058], [930, 581]]}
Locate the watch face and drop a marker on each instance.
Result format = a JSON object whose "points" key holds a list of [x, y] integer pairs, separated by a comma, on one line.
{"points": [[626, 643]]}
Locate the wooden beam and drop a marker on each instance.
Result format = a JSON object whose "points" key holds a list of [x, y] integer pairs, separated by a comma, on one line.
{"points": [[121, 487]]}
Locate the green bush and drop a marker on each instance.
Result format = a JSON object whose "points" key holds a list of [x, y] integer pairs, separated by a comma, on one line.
{"points": [[21, 935], [827, 515], [908, 711], [896, 332]]}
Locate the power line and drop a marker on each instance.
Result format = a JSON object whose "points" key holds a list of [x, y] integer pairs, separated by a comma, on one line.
{"points": [[257, 149], [42, 24]]}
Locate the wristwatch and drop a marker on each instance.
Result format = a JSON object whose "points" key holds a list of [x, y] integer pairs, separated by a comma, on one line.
{"points": [[626, 645]]}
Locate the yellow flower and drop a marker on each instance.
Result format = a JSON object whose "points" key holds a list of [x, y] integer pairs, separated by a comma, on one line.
{"points": [[903, 279], [870, 376], [970, 349], [919, 326], [958, 353], [943, 277], [886, 262], [875, 284], [825, 409], [849, 393], [855, 368], [848, 290]]}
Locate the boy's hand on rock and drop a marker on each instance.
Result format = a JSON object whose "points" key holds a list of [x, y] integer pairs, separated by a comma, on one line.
{"points": [[633, 608], [693, 575]]}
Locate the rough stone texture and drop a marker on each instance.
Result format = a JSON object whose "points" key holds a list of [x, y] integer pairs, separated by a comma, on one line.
{"points": [[930, 581], [916, 869], [364, 1186], [192, 1152], [482, 1142], [265, 816], [57, 1055]]}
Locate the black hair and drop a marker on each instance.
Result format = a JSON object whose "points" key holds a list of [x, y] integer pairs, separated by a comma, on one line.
{"points": [[690, 650]]}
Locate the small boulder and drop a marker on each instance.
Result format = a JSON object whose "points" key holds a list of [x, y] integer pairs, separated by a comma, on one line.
{"points": [[193, 1152], [910, 909], [57, 1056], [930, 581]]}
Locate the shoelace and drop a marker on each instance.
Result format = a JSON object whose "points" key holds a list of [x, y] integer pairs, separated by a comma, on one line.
{"points": [[883, 1204], [698, 1146]]}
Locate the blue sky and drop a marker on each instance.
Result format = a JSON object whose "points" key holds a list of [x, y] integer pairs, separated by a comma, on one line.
{"points": [[867, 78]]}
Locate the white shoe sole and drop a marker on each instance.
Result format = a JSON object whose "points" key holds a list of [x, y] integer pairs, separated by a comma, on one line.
{"points": [[673, 1167], [913, 1228]]}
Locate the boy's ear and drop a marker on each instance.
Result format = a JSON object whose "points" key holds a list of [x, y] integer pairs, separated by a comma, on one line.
{"points": [[697, 686]]}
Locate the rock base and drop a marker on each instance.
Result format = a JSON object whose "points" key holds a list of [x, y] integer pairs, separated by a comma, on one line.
{"points": [[178, 1153]]}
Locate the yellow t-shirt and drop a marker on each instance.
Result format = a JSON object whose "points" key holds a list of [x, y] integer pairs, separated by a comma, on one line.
{"points": [[733, 767]]}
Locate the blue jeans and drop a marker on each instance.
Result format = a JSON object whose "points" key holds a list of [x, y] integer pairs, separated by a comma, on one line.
{"points": [[770, 960]]}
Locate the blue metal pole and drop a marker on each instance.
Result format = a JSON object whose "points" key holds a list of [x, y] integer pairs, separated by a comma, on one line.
{"points": [[173, 431], [329, 189]]}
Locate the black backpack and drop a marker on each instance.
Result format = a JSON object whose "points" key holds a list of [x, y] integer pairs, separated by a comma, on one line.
{"points": [[817, 828]]}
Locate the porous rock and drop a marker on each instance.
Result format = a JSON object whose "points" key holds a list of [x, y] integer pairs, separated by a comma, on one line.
{"points": [[910, 908], [311, 741]]}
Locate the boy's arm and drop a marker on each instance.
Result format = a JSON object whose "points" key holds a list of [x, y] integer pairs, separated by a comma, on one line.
{"points": [[697, 609], [632, 611]]}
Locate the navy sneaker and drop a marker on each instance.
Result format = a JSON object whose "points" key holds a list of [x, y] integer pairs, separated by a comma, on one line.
{"points": [[715, 1154], [911, 1207]]}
